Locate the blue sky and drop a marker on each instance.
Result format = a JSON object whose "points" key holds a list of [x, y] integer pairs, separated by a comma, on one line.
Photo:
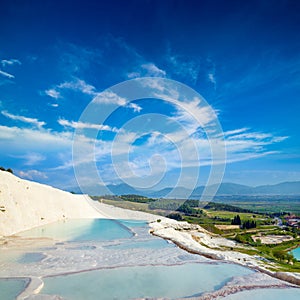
{"points": [[242, 57]]}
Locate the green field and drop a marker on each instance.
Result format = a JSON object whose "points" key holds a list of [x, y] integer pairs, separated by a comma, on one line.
{"points": [[264, 204]]}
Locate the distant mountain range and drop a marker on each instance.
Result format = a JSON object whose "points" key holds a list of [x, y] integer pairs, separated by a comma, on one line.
{"points": [[284, 188]]}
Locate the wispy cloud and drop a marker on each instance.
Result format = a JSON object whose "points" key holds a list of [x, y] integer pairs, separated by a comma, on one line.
{"points": [[78, 85], [32, 158], [108, 97], [135, 107], [147, 70], [9, 62], [32, 121], [53, 93], [183, 67], [212, 79], [193, 115], [235, 131], [82, 125], [38, 143], [19, 140], [74, 85], [33, 174], [7, 75]]}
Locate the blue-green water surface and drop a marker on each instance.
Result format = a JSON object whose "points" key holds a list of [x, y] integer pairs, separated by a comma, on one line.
{"points": [[296, 253], [143, 281], [82, 230], [11, 288]]}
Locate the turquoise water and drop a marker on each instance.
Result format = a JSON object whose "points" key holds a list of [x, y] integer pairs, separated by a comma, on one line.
{"points": [[152, 244], [133, 223], [82, 230], [263, 294], [296, 253], [11, 288], [147, 281], [29, 258]]}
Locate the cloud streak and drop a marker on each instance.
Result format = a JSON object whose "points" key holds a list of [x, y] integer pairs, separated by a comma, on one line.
{"points": [[32, 121], [33, 175], [82, 125], [147, 70], [105, 97], [10, 62], [7, 75], [53, 93]]}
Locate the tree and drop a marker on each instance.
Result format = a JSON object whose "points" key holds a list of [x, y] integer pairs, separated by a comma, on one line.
{"points": [[7, 170], [10, 170], [249, 224], [175, 216], [236, 220]]}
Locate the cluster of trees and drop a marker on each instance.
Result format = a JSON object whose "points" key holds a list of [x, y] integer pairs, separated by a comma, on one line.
{"points": [[245, 225], [7, 170], [163, 204], [249, 224], [226, 207], [236, 220], [175, 216], [137, 198], [188, 207], [188, 210], [283, 256]]}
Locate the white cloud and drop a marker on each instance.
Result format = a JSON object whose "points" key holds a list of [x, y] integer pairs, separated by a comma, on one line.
{"points": [[212, 79], [39, 145], [7, 75], [235, 131], [147, 70], [32, 121], [82, 125], [33, 174], [75, 85], [153, 70], [183, 66], [135, 107], [32, 158], [10, 62], [53, 93], [26, 138], [108, 97], [134, 75], [192, 114], [78, 85], [54, 104]]}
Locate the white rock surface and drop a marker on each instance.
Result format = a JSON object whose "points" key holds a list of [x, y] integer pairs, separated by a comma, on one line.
{"points": [[25, 204]]}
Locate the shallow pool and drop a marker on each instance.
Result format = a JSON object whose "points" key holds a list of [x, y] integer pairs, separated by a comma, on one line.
{"points": [[29, 258], [151, 244], [296, 253], [143, 281], [11, 288], [82, 230]]}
